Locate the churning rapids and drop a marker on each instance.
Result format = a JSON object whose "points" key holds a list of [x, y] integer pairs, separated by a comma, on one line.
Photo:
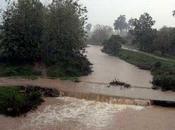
{"points": [[65, 113]]}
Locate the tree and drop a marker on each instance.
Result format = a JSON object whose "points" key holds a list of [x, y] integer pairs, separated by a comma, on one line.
{"points": [[120, 24], [88, 27], [113, 44], [165, 41], [22, 31], [143, 32], [101, 33], [64, 38], [53, 35]]}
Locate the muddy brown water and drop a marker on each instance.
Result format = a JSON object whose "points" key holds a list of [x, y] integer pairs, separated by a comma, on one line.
{"points": [[65, 113], [107, 68]]}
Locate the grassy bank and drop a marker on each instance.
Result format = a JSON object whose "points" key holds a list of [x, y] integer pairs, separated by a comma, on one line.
{"points": [[18, 100], [13, 102], [163, 71]]}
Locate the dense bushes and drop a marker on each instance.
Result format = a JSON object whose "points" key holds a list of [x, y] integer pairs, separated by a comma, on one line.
{"points": [[22, 30], [113, 44], [164, 43], [164, 76], [18, 100], [14, 103], [53, 35], [23, 70], [70, 68]]}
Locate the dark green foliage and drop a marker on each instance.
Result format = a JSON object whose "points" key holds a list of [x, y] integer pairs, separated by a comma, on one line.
{"points": [[52, 35], [163, 71], [12, 70], [165, 81], [113, 44], [142, 31], [13, 102], [164, 76], [64, 33], [164, 42], [22, 31], [70, 68]]}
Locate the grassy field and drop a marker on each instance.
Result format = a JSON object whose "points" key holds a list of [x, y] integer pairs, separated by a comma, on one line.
{"points": [[163, 71]]}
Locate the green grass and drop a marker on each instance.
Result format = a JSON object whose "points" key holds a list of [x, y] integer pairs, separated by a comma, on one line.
{"points": [[163, 71], [140, 59], [13, 102]]}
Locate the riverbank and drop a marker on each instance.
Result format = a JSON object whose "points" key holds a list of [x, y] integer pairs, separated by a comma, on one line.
{"points": [[162, 70], [18, 100], [34, 71]]}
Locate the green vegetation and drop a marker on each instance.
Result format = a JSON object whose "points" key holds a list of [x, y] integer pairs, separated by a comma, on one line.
{"points": [[139, 33], [142, 35], [23, 71], [113, 44], [99, 34], [13, 102], [121, 25], [163, 70], [18, 100], [164, 42], [143, 32], [52, 35]]}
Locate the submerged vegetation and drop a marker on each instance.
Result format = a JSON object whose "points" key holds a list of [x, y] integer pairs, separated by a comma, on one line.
{"points": [[119, 83]]}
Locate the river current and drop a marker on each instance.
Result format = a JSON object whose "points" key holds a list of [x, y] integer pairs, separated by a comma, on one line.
{"points": [[66, 113]]}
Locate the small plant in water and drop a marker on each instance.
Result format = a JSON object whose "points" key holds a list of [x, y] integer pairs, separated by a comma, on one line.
{"points": [[116, 82]]}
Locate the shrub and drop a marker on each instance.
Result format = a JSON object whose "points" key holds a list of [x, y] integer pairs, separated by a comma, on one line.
{"points": [[13, 70], [76, 66], [13, 102], [113, 44]]}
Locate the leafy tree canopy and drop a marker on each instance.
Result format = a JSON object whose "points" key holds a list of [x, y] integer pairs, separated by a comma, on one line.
{"points": [[143, 32], [120, 24]]}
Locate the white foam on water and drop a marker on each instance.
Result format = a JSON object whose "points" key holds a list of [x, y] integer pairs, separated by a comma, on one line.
{"points": [[82, 112]]}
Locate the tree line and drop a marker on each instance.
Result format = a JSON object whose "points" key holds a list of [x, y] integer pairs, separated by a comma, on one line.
{"points": [[52, 35], [148, 39], [140, 33]]}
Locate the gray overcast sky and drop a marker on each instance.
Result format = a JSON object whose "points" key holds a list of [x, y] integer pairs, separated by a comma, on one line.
{"points": [[106, 11]]}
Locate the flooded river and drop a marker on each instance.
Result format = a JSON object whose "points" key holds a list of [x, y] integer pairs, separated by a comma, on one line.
{"points": [[107, 68], [65, 113]]}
